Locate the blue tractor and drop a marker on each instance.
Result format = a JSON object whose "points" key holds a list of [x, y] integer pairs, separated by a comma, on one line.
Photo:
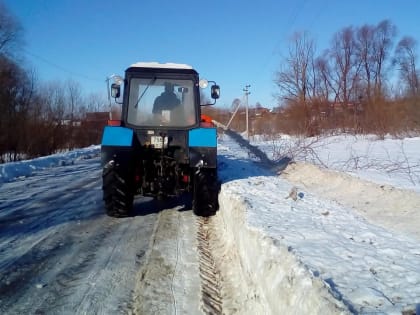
{"points": [[161, 146]]}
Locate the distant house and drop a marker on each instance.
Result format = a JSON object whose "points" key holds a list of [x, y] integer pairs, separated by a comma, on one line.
{"points": [[69, 122], [255, 112], [260, 111], [340, 107]]}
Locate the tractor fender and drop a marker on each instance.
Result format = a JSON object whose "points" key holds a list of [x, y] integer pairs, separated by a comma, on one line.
{"points": [[117, 145], [117, 136], [202, 143]]}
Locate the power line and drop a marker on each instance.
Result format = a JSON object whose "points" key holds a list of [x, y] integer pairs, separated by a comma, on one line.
{"points": [[54, 65], [291, 21], [294, 13], [322, 9]]}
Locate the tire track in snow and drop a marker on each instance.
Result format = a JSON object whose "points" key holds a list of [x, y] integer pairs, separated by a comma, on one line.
{"points": [[169, 282], [154, 293], [210, 278]]}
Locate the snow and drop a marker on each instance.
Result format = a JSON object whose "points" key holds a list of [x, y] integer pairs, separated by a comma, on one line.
{"points": [[390, 161], [14, 170], [347, 242], [171, 256], [168, 65], [362, 263], [59, 252]]}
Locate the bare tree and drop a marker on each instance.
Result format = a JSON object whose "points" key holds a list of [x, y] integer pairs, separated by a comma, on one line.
{"points": [[345, 65], [74, 98], [365, 51], [96, 103], [294, 80], [54, 114], [323, 75], [74, 102], [15, 100], [385, 33], [10, 32], [406, 58]]}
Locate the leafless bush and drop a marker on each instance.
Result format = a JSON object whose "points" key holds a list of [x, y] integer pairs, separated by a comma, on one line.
{"points": [[308, 150], [299, 149], [402, 165]]}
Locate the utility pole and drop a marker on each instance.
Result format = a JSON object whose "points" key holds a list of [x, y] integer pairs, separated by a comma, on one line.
{"points": [[246, 90]]}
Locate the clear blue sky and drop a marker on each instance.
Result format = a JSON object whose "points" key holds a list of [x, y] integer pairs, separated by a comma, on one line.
{"points": [[232, 42]]}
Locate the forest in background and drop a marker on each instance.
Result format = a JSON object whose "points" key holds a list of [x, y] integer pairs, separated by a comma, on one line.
{"points": [[365, 82], [40, 118]]}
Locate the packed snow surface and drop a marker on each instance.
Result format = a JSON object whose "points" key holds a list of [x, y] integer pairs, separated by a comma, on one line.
{"points": [[307, 239]]}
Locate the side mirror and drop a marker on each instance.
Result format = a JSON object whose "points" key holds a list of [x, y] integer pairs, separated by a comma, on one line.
{"points": [[115, 90], [215, 91]]}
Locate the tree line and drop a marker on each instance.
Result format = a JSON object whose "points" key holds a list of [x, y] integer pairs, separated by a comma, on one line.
{"points": [[364, 82], [38, 118]]}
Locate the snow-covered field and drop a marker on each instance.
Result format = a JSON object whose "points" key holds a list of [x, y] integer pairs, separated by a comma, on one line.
{"points": [[307, 240], [389, 161]]}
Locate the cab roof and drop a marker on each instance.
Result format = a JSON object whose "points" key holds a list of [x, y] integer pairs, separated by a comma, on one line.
{"points": [[155, 67], [168, 65]]}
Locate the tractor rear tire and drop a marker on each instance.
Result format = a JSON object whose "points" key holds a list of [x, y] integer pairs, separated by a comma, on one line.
{"points": [[205, 192], [117, 192]]}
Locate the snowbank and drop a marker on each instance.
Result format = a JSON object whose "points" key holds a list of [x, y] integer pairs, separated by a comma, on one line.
{"points": [[366, 267], [393, 208], [265, 276], [11, 171]]}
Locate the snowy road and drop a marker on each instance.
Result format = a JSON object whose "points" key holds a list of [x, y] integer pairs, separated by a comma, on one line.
{"points": [[325, 250], [59, 252]]}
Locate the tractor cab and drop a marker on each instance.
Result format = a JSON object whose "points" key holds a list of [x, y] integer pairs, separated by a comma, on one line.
{"points": [[162, 95], [161, 147]]}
